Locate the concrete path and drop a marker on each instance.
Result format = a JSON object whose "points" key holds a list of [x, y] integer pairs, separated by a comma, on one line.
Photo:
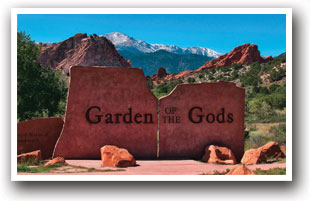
{"points": [[165, 167]]}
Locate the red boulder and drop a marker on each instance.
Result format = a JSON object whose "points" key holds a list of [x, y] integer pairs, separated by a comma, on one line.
{"points": [[215, 154], [116, 157]]}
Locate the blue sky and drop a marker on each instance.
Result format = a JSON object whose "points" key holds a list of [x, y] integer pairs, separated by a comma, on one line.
{"points": [[219, 32]]}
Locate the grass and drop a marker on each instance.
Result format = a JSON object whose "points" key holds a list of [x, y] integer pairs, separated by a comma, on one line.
{"points": [[221, 173], [30, 168], [24, 167], [274, 171]]}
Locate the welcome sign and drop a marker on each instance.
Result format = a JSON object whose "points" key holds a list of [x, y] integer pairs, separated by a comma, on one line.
{"points": [[113, 106]]}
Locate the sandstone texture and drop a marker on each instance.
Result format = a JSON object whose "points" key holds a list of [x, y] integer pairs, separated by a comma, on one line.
{"points": [[81, 50], [29, 157], [240, 170], [38, 134], [113, 156], [54, 161], [196, 115], [108, 106], [260, 155], [216, 154]]}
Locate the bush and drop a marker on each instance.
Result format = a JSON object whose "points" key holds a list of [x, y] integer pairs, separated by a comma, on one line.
{"points": [[236, 66], [274, 87], [277, 75], [150, 83], [191, 80], [201, 76], [255, 140], [278, 134]]}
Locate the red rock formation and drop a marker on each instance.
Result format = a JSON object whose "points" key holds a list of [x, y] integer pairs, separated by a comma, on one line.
{"points": [[215, 154], [240, 170], [81, 50], [160, 76], [116, 157], [244, 54]]}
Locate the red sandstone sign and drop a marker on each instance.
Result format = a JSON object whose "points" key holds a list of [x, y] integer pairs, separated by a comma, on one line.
{"points": [[38, 134], [194, 116], [108, 106]]}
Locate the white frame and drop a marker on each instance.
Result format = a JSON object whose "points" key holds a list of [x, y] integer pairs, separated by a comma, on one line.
{"points": [[16, 11]]}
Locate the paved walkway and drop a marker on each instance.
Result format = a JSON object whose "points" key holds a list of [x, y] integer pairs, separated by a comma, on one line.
{"points": [[165, 167]]}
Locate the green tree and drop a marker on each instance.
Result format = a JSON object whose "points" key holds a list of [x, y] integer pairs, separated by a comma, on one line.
{"points": [[41, 91]]}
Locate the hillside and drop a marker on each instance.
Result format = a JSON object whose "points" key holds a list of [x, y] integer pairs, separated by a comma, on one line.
{"points": [[173, 63]]}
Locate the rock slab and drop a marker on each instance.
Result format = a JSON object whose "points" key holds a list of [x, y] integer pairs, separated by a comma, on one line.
{"points": [[194, 116], [108, 106], [38, 134], [113, 156]]}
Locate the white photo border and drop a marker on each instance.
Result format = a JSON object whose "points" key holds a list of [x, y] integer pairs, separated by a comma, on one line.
{"points": [[286, 11]]}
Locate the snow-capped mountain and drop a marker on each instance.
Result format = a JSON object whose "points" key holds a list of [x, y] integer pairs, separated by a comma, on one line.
{"points": [[125, 42]]}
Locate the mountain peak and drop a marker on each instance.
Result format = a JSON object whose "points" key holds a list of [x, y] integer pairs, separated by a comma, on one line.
{"points": [[125, 42], [81, 50]]}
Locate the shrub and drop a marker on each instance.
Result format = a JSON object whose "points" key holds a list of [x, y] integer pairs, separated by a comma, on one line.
{"points": [[191, 80], [278, 133], [277, 75], [260, 109], [255, 140]]}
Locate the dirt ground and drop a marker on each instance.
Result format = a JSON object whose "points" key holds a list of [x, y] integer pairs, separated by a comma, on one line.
{"points": [[154, 167]]}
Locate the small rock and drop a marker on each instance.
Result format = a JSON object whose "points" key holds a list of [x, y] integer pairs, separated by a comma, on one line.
{"points": [[216, 154], [54, 161], [31, 156], [240, 170], [116, 157]]}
